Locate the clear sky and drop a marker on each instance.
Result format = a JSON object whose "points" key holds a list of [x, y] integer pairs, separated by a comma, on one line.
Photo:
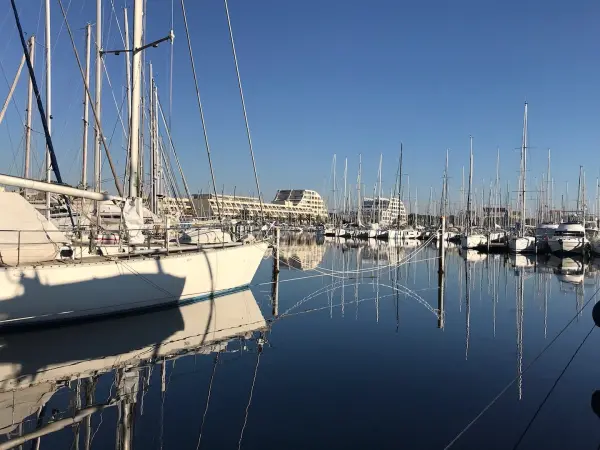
{"points": [[345, 77]]}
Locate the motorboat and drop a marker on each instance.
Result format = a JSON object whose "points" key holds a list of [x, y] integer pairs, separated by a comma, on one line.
{"points": [[569, 238]]}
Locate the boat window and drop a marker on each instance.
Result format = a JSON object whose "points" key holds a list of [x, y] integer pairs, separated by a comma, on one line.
{"points": [[570, 233]]}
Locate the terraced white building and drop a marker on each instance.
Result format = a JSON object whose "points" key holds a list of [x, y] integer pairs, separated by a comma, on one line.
{"points": [[289, 204]]}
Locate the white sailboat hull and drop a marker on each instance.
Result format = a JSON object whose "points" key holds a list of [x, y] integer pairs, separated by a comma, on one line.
{"points": [[53, 292], [525, 244], [567, 244], [472, 240]]}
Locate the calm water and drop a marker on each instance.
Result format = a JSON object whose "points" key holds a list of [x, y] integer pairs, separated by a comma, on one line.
{"points": [[353, 357]]}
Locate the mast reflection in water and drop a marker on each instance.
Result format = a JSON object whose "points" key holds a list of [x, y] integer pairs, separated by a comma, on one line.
{"points": [[364, 350]]}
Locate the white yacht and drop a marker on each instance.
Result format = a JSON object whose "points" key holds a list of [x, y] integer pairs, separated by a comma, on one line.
{"points": [[522, 244], [568, 238], [471, 241], [40, 281]]}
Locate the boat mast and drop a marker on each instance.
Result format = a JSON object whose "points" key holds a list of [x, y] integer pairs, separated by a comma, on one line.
{"points": [[29, 114], [597, 202], [445, 190], [400, 186], [468, 215], [334, 186], [578, 205], [548, 205], [379, 187], [429, 204], [98, 106], [48, 51], [345, 186], [462, 196], [86, 109], [583, 197], [127, 53], [136, 97], [153, 144], [416, 207], [358, 186], [408, 189], [524, 171], [497, 188]]}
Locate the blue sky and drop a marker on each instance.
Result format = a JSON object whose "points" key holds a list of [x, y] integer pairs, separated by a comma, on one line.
{"points": [[345, 77]]}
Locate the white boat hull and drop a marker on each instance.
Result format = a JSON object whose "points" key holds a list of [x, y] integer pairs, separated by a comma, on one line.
{"points": [[54, 292], [472, 241], [567, 244], [524, 244]]}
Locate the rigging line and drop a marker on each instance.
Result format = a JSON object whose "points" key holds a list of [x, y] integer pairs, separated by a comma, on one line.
{"points": [[210, 165], [212, 377], [112, 91], [112, 5], [172, 145], [552, 388], [250, 398], [92, 107], [62, 25], [171, 65], [239, 80], [523, 372]]}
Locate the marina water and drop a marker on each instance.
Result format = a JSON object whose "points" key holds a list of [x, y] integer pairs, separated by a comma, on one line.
{"points": [[357, 352]]}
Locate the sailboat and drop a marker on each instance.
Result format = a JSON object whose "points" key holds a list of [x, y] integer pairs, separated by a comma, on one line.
{"points": [[523, 243], [45, 277], [570, 237], [471, 240]]}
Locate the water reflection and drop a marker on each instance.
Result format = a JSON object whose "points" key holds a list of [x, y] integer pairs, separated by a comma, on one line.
{"points": [[352, 327], [74, 359]]}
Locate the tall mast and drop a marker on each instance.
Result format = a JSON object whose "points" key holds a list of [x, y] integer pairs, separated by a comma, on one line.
{"points": [[445, 189], [578, 205], [98, 101], [597, 202], [470, 184], [408, 189], [583, 197], [153, 143], [462, 194], [400, 185], [358, 186], [548, 204], [136, 96], [86, 109], [48, 49], [497, 188], [345, 185], [416, 206], [26, 164], [334, 163], [379, 187], [127, 62], [429, 204], [524, 174], [127, 83]]}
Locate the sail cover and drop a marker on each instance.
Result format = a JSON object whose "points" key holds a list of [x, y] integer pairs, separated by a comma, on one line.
{"points": [[25, 235]]}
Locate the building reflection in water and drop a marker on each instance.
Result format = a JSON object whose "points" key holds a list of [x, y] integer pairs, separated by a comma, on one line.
{"points": [[301, 251]]}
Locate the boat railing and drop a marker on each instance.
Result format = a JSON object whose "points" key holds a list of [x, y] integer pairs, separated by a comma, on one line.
{"points": [[170, 239]]}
